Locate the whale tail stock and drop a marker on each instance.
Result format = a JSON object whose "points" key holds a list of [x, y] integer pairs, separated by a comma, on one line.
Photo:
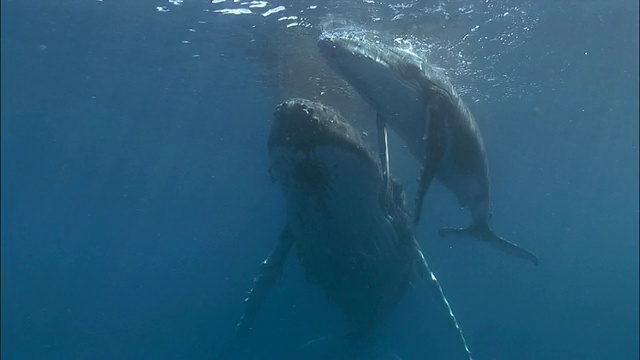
{"points": [[484, 233]]}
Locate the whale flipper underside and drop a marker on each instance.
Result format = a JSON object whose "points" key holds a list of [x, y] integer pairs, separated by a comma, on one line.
{"points": [[270, 271], [435, 137], [383, 153], [484, 233]]}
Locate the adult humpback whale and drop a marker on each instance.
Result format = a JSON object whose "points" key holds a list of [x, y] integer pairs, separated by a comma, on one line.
{"points": [[422, 107], [349, 225]]}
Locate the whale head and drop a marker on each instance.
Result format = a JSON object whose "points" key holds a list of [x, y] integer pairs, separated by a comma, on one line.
{"points": [[348, 230], [396, 82], [388, 78], [318, 157], [308, 138]]}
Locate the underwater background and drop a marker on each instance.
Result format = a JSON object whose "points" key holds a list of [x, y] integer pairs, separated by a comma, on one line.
{"points": [[137, 203]]}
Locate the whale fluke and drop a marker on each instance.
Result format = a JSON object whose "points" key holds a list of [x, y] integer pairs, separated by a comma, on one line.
{"points": [[484, 233]]}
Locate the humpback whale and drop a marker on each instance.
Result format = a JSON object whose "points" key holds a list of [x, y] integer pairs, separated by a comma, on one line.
{"points": [[345, 217], [420, 104]]}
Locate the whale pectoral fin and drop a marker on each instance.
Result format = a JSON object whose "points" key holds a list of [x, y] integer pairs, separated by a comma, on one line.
{"points": [[436, 288], [270, 271], [435, 147], [383, 152], [485, 234]]}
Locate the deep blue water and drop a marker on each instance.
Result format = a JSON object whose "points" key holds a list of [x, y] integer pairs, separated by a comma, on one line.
{"points": [[137, 206]]}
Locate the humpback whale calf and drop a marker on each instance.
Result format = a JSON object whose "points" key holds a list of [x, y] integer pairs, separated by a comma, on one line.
{"points": [[350, 227], [420, 104]]}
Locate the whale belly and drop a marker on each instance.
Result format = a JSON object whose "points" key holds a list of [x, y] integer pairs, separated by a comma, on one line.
{"points": [[344, 238]]}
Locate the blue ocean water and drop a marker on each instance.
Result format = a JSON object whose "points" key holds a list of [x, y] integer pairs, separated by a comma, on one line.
{"points": [[137, 205]]}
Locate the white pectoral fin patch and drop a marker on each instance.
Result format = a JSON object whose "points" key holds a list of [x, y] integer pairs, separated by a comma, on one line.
{"points": [[270, 271], [436, 288], [383, 153]]}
